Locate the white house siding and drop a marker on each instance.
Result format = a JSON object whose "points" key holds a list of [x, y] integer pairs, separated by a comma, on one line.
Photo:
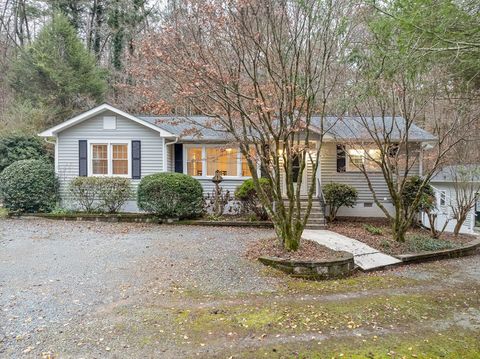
{"points": [[92, 129], [445, 212], [365, 206]]}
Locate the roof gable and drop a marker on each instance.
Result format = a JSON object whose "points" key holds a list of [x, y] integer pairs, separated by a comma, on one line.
{"points": [[96, 111]]}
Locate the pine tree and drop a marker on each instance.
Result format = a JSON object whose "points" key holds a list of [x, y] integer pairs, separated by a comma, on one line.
{"points": [[57, 71]]}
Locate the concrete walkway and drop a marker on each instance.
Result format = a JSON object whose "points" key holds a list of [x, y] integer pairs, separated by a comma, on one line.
{"points": [[365, 257]]}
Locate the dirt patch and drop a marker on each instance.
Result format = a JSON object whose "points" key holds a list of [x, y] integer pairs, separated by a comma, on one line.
{"points": [[361, 229], [308, 251]]}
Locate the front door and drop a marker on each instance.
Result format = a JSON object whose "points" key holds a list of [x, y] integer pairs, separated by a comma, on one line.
{"points": [[296, 176]]}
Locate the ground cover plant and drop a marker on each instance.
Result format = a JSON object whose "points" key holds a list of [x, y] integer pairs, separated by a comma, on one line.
{"points": [[378, 234]]}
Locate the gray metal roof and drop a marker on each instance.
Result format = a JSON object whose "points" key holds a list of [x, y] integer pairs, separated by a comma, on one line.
{"points": [[202, 128], [358, 128], [448, 173]]}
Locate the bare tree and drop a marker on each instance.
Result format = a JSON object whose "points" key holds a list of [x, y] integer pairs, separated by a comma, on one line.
{"points": [[466, 183], [260, 70]]}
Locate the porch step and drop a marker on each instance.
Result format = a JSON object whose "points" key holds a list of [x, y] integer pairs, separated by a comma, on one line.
{"points": [[316, 219]]}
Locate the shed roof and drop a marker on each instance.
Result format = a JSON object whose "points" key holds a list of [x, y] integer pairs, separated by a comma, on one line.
{"points": [[449, 173]]}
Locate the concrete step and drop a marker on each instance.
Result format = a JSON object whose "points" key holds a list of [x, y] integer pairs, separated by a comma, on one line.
{"points": [[315, 226]]}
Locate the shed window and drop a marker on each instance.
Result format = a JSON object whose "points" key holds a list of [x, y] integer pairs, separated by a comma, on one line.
{"points": [[443, 198]]}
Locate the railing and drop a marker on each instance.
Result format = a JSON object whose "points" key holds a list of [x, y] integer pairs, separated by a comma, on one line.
{"points": [[321, 196]]}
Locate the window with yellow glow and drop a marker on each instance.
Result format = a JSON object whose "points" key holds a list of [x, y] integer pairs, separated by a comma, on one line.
{"points": [[358, 157], [224, 160], [194, 161], [245, 169]]}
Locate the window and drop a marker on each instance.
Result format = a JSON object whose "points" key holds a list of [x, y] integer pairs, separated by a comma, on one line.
{"points": [[109, 159], [194, 161], [207, 159], [100, 159], [224, 160], [120, 159], [358, 157], [443, 198], [245, 169]]}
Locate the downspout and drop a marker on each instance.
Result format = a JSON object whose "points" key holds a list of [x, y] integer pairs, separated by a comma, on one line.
{"points": [[165, 158]]}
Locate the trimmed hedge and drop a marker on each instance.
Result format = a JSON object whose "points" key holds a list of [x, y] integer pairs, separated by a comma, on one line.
{"points": [[101, 194], [247, 194], [29, 186], [171, 195]]}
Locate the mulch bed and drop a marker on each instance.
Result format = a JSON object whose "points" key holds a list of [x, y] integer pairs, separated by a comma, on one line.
{"points": [[308, 251], [355, 228]]}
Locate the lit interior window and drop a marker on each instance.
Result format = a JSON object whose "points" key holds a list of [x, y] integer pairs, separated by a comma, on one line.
{"points": [[194, 161], [245, 169], [223, 160], [358, 157]]}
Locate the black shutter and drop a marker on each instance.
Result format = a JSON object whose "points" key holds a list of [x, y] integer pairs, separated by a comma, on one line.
{"points": [[82, 158], [341, 158], [136, 160], [178, 157]]}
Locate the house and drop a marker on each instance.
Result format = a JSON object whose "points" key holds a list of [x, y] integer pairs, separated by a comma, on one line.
{"points": [[106, 141], [452, 184]]}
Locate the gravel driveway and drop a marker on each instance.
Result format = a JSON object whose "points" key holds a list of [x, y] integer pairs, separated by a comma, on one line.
{"points": [[111, 290], [53, 274]]}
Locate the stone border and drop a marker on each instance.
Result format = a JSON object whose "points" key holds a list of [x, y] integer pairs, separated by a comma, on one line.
{"points": [[142, 218], [468, 249], [120, 217], [328, 269]]}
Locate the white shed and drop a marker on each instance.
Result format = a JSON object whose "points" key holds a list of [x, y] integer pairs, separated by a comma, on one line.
{"points": [[446, 184]]}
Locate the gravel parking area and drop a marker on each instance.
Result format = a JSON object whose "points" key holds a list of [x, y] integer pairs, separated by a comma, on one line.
{"points": [[122, 290], [54, 273]]}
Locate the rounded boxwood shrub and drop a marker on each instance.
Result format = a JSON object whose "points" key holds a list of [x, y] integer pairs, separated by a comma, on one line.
{"points": [[29, 186], [171, 195], [247, 194], [338, 195]]}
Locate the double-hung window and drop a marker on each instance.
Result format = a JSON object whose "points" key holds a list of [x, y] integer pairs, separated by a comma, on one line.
{"points": [[109, 159]]}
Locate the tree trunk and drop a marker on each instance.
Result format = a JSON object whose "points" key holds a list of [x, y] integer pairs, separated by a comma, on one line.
{"points": [[399, 229], [460, 220], [290, 233]]}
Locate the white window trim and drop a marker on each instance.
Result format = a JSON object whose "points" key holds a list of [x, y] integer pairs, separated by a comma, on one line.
{"points": [[204, 161], [109, 144], [442, 193]]}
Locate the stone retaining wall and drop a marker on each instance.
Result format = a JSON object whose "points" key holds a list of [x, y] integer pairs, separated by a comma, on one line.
{"points": [[465, 250], [335, 268]]}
